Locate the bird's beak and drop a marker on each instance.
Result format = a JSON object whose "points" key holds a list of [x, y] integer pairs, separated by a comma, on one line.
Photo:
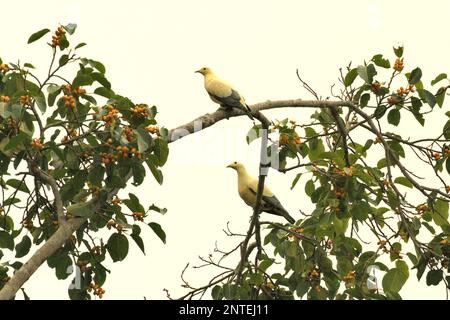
{"points": [[229, 166], [198, 71]]}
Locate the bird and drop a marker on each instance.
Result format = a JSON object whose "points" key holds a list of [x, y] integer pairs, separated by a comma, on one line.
{"points": [[223, 93], [247, 188]]}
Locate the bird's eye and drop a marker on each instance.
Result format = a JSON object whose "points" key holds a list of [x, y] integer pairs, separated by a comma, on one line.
{"points": [[204, 69], [235, 162]]}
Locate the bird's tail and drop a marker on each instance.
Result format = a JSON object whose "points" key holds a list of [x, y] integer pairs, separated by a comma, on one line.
{"points": [[245, 108], [282, 212]]}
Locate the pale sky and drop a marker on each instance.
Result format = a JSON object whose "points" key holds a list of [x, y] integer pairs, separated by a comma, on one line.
{"points": [[151, 50]]}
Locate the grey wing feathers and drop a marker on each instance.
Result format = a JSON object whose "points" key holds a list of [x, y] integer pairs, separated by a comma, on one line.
{"points": [[232, 101], [273, 205]]}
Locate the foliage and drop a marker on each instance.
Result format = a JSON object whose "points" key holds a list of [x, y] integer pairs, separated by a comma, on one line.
{"points": [[74, 133]]}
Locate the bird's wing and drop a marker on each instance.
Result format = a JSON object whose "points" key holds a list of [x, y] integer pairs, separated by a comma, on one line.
{"points": [[271, 204], [267, 197], [233, 100], [222, 92]]}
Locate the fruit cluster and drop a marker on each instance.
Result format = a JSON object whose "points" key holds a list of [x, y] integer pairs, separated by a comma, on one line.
{"points": [[4, 99], [283, 139], [314, 274], [152, 129], [421, 208], [113, 224], [24, 100], [138, 216], [28, 224], [69, 101], [339, 193], [447, 152], [128, 132], [382, 245], [116, 201], [108, 158], [56, 38], [140, 110], [36, 144], [111, 117], [398, 65], [376, 86], [403, 92], [3, 68], [349, 277], [124, 151], [67, 89], [97, 290]]}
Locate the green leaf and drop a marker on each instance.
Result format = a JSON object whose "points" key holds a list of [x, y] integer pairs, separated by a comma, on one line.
{"points": [[403, 181], [62, 267], [440, 212], [427, 96], [394, 117], [83, 209], [380, 61], [157, 209], [309, 188], [393, 280], [72, 159], [37, 35], [80, 45], [360, 210], [398, 51], [403, 267], [16, 140], [434, 277], [23, 247], [440, 77], [138, 173], [256, 279], [380, 111], [415, 76], [216, 293], [133, 203], [117, 246], [82, 80], [350, 77], [156, 227], [96, 175], [104, 92], [18, 184], [157, 174], [447, 165], [144, 139], [294, 182], [63, 60], [364, 100], [135, 235], [161, 151], [440, 96], [363, 73], [446, 130], [6, 240]]}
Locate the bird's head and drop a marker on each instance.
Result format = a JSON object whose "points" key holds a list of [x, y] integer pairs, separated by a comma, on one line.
{"points": [[236, 166], [204, 71]]}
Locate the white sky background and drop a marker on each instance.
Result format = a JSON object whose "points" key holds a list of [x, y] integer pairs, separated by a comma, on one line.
{"points": [[151, 50]]}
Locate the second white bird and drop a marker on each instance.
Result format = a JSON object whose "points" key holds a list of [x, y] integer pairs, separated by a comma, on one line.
{"points": [[247, 188]]}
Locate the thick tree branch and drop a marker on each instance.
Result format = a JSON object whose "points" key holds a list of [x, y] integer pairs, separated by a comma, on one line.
{"points": [[254, 225]]}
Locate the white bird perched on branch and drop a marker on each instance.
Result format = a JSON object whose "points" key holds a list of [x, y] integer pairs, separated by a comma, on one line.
{"points": [[223, 93], [247, 188]]}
